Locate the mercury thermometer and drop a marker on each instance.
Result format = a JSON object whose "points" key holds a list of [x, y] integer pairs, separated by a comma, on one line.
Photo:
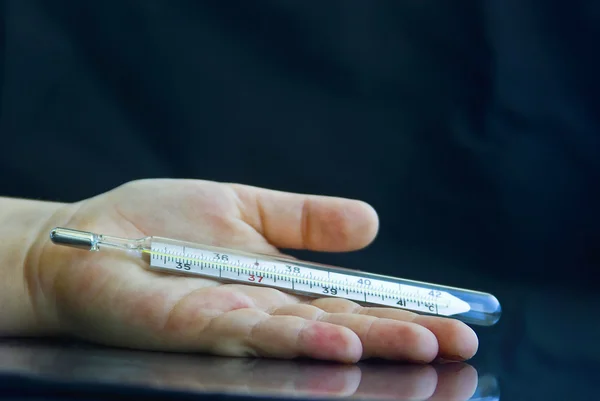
{"points": [[291, 275]]}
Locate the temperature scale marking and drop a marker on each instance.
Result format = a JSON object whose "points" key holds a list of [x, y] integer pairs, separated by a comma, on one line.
{"points": [[226, 266]]}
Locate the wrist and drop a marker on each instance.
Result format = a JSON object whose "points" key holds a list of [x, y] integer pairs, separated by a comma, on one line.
{"points": [[23, 231]]}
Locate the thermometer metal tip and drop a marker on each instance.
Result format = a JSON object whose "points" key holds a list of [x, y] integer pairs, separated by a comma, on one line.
{"points": [[74, 238]]}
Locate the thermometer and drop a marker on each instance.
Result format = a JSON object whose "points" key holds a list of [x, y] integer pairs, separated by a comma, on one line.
{"points": [[293, 276]]}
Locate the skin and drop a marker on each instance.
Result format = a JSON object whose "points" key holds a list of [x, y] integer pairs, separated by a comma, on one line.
{"points": [[115, 300]]}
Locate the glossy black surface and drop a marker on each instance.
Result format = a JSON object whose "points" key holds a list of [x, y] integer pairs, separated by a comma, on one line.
{"points": [[544, 348], [76, 363]]}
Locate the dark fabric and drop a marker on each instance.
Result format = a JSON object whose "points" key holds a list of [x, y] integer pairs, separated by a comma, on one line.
{"points": [[471, 126]]}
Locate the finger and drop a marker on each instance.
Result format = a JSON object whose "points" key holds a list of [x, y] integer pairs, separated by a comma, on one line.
{"points": [[381, 338], [457, 341], [298, 221], [250, 332], [456, 382]]}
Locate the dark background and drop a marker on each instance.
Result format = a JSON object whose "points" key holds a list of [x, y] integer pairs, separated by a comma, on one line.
{"points": [[471, 126]]}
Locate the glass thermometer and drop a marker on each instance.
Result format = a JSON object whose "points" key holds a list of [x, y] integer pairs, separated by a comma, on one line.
{"points": [[294, 276]]}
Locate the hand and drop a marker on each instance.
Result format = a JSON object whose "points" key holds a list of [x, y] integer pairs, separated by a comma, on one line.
{"points": [[114, 300]]}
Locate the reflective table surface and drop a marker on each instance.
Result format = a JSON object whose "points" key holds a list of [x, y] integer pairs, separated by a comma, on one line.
{"points": [[544, 348], [79, 363]]}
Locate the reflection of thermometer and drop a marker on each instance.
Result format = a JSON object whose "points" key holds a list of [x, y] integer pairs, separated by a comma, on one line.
{"points": [[291, 275], [488, 389]]}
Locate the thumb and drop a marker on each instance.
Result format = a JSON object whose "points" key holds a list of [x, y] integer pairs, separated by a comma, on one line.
{"points": [[311, 222]]}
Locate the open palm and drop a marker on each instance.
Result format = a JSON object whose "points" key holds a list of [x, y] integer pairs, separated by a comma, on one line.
{"points": [[115, 300]]}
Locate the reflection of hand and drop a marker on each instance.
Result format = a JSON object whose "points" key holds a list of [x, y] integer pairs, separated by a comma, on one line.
{"points": [[112, 300], [447, 382]]}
